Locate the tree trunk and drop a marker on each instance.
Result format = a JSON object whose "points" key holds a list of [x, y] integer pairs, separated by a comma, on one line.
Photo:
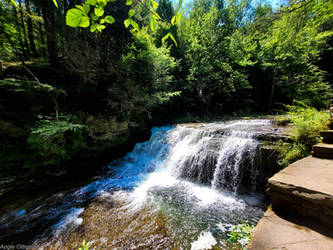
{"points": [[23, 54], [49, 17], [270, 105], [31, 30], [41, 35], [23, 29]]}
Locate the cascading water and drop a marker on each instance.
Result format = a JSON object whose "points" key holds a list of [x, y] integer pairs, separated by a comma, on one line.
{"points": [[181, 188]]}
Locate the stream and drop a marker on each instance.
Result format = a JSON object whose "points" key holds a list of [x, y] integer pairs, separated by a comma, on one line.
{"points": [[184, 188]]}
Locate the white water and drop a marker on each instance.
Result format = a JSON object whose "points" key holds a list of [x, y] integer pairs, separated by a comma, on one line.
{"points": [[193, 172]]}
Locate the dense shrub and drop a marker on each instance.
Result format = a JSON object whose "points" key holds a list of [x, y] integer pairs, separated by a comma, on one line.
{"points": [[307, 122]]}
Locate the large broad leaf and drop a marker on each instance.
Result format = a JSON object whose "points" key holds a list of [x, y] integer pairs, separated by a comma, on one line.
{"points": [[74, 17], [85, 22]]}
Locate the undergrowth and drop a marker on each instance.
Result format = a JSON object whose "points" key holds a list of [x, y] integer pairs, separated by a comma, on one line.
{"points": [[306, 124]]}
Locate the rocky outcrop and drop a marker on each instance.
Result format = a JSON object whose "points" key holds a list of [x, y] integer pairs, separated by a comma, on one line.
{"points": [[276, 232], [305, 188]]}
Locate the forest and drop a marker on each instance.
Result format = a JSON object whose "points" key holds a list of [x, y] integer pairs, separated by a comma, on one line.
{"points": [[143, 124], [80, 77]]}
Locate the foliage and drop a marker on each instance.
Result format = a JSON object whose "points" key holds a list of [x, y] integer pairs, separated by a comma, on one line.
{"points": [[307, 123], [54, 141], [240, 234], [85, 245]]}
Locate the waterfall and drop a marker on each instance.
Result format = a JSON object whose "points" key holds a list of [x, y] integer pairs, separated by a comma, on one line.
{"points": [[200, 177], [218, 154]]}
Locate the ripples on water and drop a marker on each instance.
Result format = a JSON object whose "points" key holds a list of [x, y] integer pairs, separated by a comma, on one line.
{"points": [[182, 188]]}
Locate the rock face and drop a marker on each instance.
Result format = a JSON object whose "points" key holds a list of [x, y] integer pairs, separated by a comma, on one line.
{"points": [[328, 136], [323, 150], [305, 188], [275, 232]]}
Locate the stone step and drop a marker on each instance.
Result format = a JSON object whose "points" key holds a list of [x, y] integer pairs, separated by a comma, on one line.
{"points": [[323, 150], [276, 231], [328, 136], [305, 188]]}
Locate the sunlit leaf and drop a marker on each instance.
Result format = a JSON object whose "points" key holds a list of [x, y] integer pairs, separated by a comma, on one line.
{"points": [[109, 19], [55, 3], [152, 24], [86, 8], [129, 2], [127, 22], [131, 13], [155, 4], [99, 11], [173, 39], [165, 37], [135, 25], [73, 17], [85, 22], [13, 2]]}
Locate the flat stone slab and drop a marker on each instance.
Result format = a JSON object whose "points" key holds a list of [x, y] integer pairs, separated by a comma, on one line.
{"points": [[323, 150], [309, 173], [306, 188], [274, 232]]}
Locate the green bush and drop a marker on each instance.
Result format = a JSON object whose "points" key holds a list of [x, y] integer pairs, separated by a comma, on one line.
{"points": [[307, 122], [53, 141], [240, 234]]}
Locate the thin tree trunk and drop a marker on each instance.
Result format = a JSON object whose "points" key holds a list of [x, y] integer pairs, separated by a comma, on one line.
{"points": [[23, 54], [31, 30], [23, 29], [49, 16], [270, 105], [41, 35]]}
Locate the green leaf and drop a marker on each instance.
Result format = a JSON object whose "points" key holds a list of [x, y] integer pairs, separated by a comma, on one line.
{"points": [[109, 19], [102, 21], [173, 20], [127, 22], [135, 25], [173, 39], [55, 3], [85, 22], [156, 16], [13, 2], [152, 24], [91, 2], [165, 37], [79, 7], [86, 8], [176, 18], [94, 17], [179, 5], [99, 11], [129, 2], [100, 27], [93, 28], [155, 4], [131, 13], [73, 17]]}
